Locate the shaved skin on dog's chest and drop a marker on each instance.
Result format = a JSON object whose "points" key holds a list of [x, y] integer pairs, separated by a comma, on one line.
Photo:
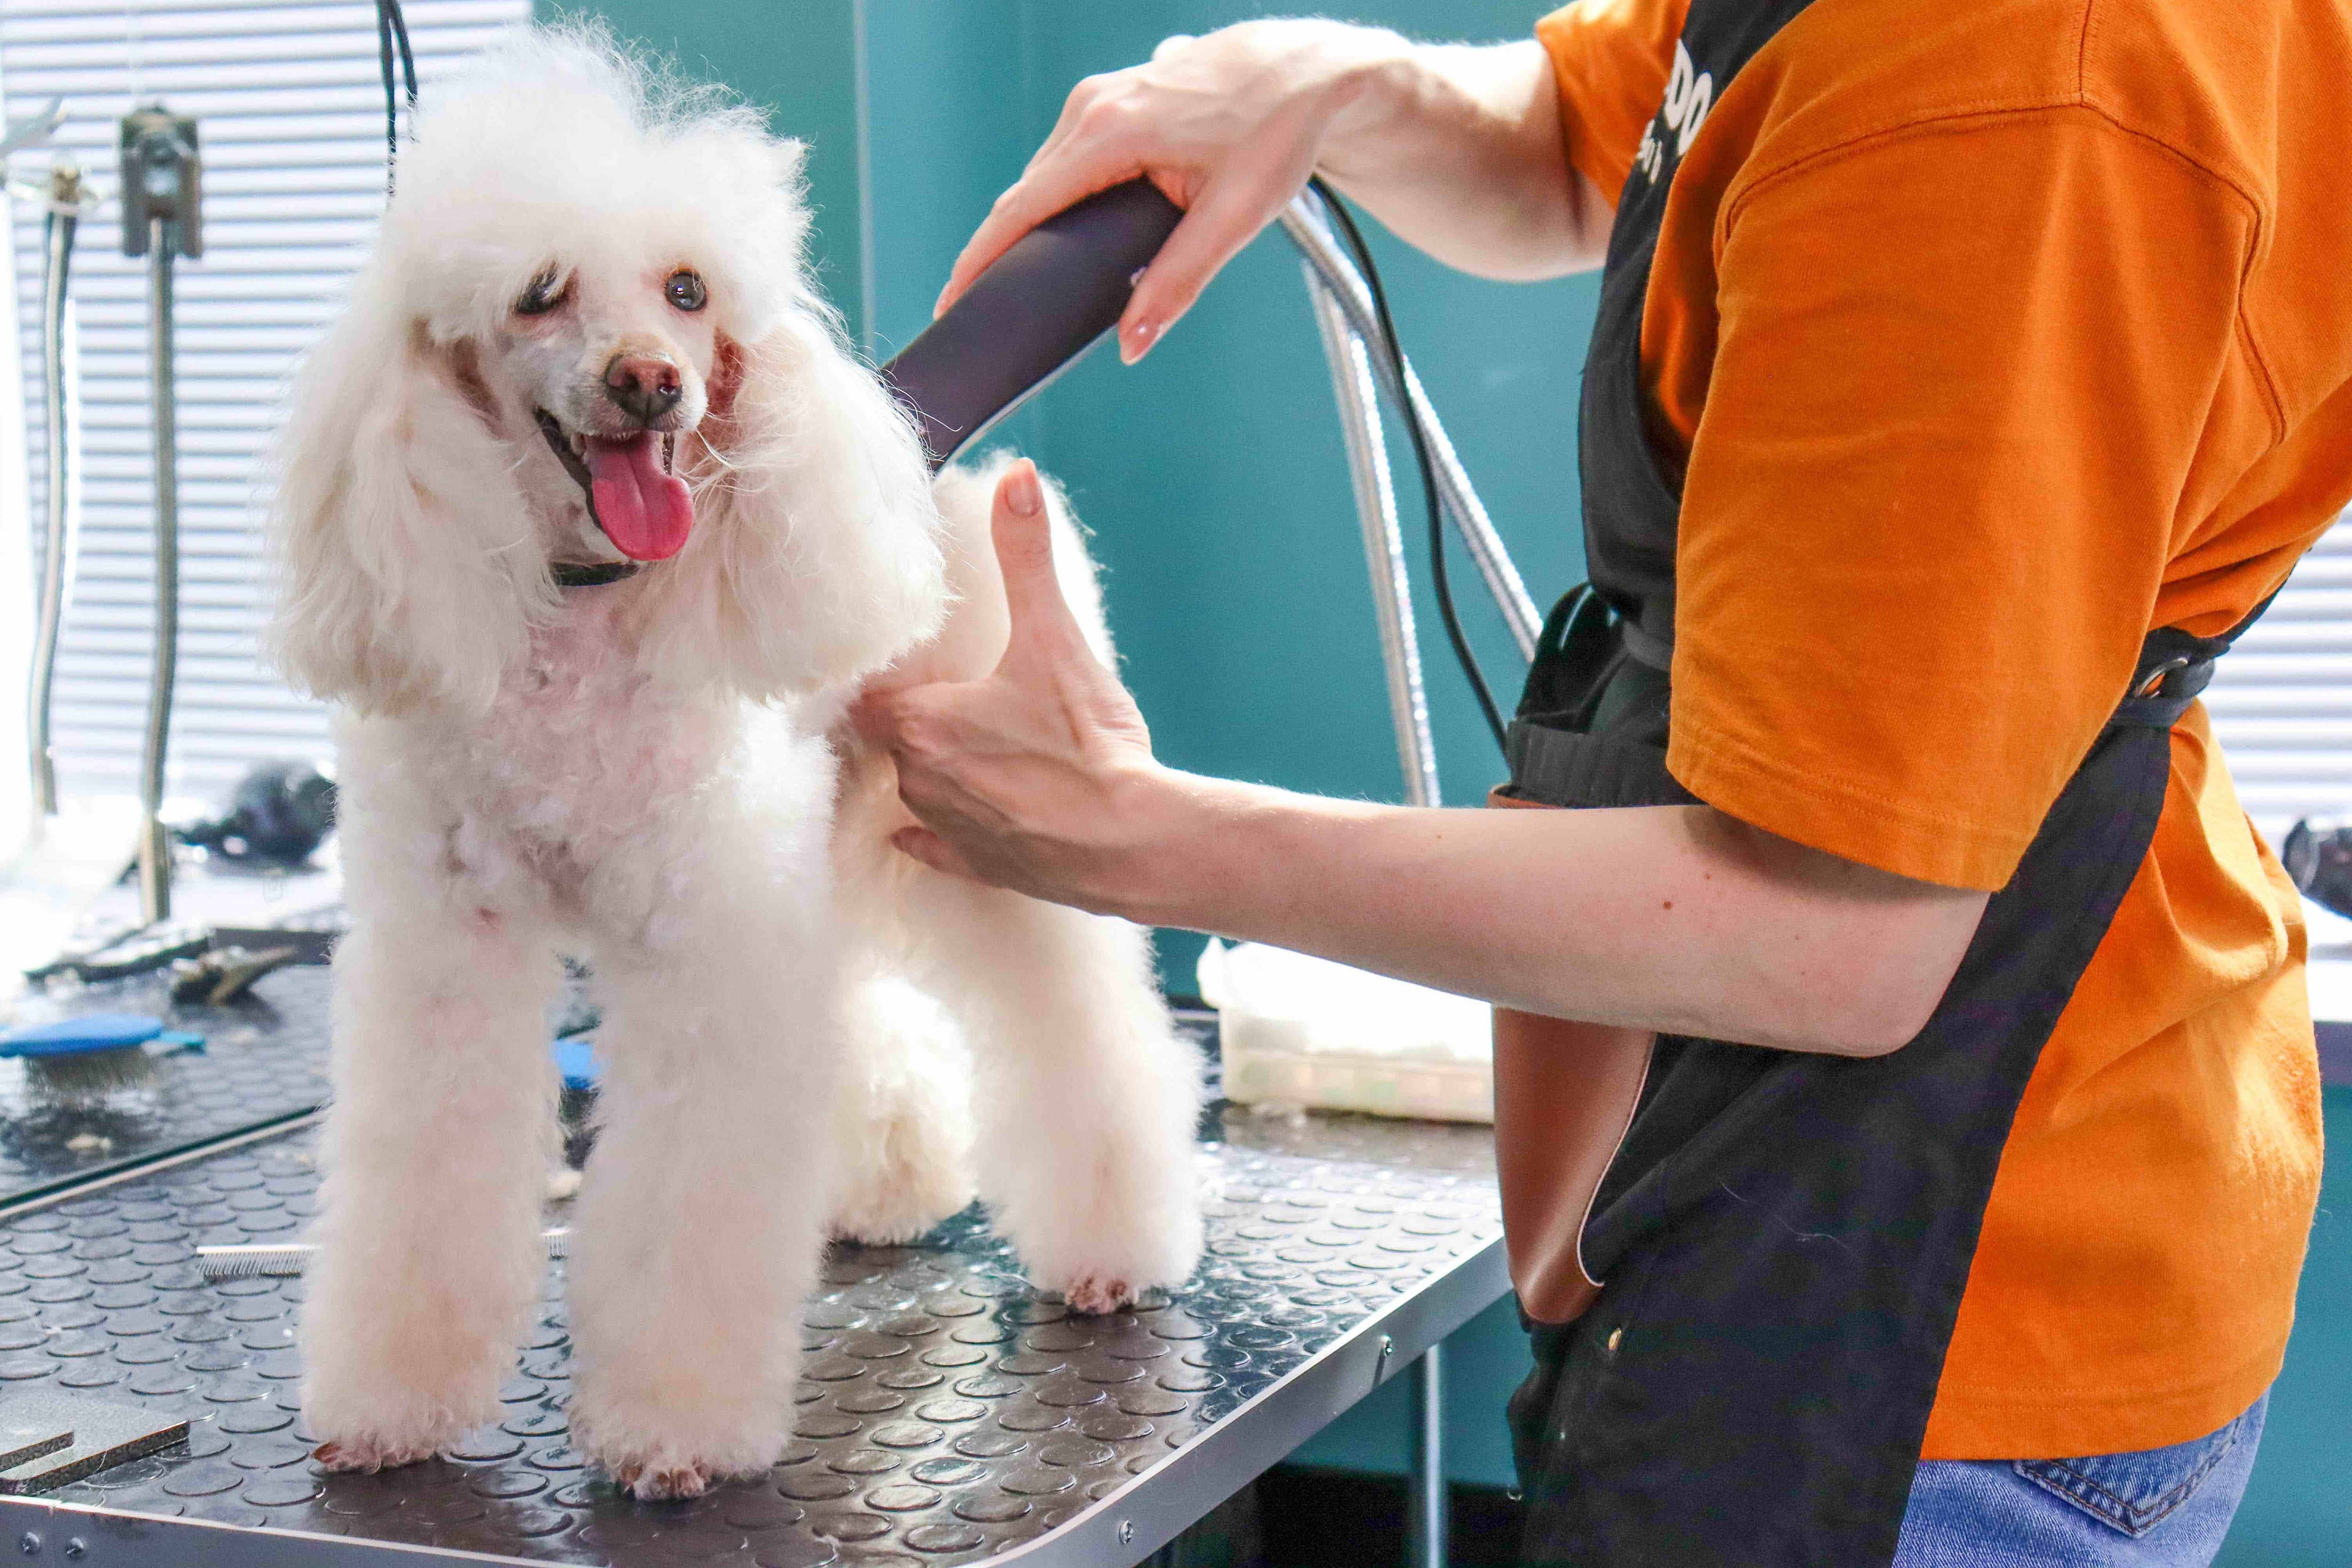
{"points": [[582, 748]]}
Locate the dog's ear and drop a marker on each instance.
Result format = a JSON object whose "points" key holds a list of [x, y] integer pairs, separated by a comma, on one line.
{"points": [[815, 555], [408, 574]]}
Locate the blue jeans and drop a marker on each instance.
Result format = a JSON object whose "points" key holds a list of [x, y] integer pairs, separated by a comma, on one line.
{"points": [[2162, 1507]]}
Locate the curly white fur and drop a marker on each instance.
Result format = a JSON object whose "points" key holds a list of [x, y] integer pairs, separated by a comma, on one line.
{"points": [[642, 771]]}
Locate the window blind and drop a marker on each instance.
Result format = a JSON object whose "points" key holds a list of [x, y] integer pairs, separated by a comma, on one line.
{"points": [[289, 107], [2282, 700]]}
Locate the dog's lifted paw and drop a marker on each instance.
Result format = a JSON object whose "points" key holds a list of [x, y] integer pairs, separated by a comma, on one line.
{"points": [[1096, 1296], [364, 1456], [662, 1483]]}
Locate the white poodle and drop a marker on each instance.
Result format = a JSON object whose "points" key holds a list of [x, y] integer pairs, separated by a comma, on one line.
{"points": [[587, 335]]}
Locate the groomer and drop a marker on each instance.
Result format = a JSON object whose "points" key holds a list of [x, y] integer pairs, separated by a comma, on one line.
{"points": [[1965, 377]]}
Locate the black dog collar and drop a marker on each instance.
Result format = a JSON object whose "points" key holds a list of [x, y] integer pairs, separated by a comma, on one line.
{"points": [[592, 573]]}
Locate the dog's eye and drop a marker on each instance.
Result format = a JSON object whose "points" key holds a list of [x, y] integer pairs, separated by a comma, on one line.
{"points": [[686, 290], [546, 291]]}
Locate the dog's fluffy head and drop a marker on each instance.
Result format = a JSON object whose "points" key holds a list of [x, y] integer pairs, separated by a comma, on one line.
{"points": [[585, 269]]}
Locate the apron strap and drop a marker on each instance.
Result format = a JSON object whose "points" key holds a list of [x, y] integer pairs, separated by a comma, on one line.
{"points": [[1563, 752]]}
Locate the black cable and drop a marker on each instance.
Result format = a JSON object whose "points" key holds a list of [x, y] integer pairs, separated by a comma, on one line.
{"points": [[1389, 347], [390, 28]]}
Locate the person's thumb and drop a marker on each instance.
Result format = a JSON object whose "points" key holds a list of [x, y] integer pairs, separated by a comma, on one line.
{"points": [[1024, 530], [934, 851]]}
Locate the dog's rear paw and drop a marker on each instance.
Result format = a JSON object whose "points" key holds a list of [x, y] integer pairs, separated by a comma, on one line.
{"points": [[1104, 1262], [662, 1483], [360, 1453], [901, 1119]]}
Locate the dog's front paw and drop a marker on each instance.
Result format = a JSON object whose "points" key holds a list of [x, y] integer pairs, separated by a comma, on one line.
{"points": [[662, 1483], [666, 1473], [663, 1453], [1097, 1295], [351, 1434], [368, 1455]]}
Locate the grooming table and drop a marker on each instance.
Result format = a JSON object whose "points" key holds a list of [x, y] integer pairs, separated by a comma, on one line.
{"points": [[947, 1412]]}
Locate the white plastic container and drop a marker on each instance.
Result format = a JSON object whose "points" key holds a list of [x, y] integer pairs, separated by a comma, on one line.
{"points": [[1307, 1032]]}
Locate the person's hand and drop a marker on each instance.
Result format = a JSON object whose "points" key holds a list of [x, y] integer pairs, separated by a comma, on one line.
{"points": [[1038, 778], [1228, 126]]}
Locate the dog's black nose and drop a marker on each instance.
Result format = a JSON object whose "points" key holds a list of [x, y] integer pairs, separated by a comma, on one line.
{"points": [[644, 386]]}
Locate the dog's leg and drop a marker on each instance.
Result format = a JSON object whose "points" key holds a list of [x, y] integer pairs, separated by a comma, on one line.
{"points": [[699, 1224], [901, 1117], [435, 1155], [1087, 1096]]}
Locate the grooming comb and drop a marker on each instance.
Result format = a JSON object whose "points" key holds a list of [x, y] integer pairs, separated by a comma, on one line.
{"points": [[288, 1260]]}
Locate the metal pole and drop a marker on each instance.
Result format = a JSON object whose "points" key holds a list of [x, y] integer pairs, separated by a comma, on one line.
{"points": [[1368, 469], [1327, 262], [154, 839], [162, 219], [1425, 1512], [56, 546]]}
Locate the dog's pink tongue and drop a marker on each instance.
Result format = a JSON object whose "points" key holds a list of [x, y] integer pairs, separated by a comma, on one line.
{"points": [[646, 512]]}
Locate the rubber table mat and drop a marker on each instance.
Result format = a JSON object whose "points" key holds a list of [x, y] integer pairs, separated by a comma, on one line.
{"points": [[264, 1060], [946, 1412]]}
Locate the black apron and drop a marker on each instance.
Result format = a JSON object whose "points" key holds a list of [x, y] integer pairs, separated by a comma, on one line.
{"points": [[1784, 1236]]}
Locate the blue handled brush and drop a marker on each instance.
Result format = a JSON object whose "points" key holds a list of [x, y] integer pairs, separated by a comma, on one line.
{"points": [[79, 1062]]}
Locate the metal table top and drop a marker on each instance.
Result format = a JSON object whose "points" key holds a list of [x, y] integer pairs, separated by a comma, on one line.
{"points": [[948, 1414]]}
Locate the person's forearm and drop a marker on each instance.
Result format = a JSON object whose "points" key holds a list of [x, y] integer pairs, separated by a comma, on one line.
{"points": [[1670, 918], [1040, 778], [1458, 149]]}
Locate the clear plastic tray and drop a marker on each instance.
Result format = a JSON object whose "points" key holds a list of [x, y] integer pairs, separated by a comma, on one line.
{"points": [[1307, 1032]]}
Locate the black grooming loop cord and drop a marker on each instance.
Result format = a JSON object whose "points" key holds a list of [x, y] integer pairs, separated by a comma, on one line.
{"points": [[1389, 348], [391, 31]]}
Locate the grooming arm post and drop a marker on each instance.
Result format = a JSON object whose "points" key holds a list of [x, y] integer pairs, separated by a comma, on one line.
{"points": [[154, 839], [1304, 223], [1368, 467], [65, 200], [160, 221]]}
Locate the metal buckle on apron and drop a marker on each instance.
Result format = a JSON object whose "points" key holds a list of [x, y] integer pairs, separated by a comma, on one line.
{"points": [[2154, 685]]}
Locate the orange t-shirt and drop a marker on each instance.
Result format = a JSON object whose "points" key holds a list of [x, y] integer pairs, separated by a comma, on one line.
{"points": [[1986, 338]]}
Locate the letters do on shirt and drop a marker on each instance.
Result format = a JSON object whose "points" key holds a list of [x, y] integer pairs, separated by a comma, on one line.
{"points": [[1690, 93]]}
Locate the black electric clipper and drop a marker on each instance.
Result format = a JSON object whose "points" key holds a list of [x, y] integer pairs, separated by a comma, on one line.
{"points": [[1032, 315]]}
